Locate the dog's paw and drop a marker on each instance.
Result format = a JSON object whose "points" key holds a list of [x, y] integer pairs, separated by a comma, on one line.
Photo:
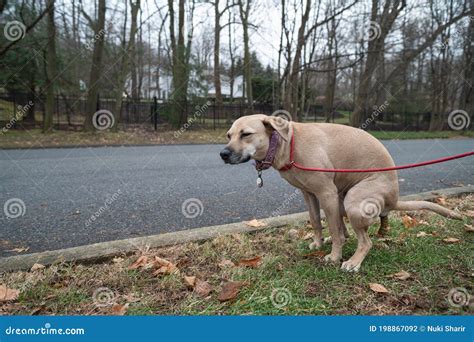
{"points": [[332, 259], [350, 266], [316, 244]]}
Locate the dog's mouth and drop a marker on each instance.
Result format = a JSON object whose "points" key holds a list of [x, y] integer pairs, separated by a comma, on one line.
{"points": [[230, 157]]}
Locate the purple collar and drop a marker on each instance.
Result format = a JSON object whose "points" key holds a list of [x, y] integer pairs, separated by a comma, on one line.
{"points": [[272, 149]]}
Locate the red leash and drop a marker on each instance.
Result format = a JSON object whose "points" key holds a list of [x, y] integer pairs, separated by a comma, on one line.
{"points": [[393, 168]]}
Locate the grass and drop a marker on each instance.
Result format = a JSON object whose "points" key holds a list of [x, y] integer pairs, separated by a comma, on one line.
{"points": [[300, 284], [138, 136]]}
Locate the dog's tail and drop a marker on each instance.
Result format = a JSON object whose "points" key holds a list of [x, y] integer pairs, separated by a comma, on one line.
{"points": [[419, 205]]}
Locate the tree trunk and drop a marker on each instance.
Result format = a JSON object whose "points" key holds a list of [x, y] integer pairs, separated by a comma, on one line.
{"points": [[50, 70], [244, 16], [96, 68], [125, 63], [217, 41]]}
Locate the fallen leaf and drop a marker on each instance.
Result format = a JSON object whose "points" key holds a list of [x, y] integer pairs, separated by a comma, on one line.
{"points": [[378, 288], [117, 260], [469, 228], [119, 310], [19, 249], [226, 263], [308, 236], [230, 290], [408, 221], [7, 294], [402, 275], [163, 266], [451, 240], [423, 234], [36, 267], [469, 213], [140, 262], [423, 222], [202, 288], [254, 262], [255, 223], [318, 254], [441, 200], [190, 281], [293, 233]]}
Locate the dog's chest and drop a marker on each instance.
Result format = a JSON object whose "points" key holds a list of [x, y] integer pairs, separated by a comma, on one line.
{"points": [[293, 179]]}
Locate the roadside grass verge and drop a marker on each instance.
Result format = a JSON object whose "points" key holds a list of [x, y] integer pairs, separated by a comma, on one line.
{"points": [[281, 276], [34, 138]]}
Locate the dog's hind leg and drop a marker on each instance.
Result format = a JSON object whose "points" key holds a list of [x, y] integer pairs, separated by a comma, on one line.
{"points": [[314, 218]]}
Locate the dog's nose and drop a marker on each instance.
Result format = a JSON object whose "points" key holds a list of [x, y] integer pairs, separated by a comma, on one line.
{"points": [[225, 154]]}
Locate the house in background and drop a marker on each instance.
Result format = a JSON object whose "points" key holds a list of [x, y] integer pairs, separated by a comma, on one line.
{"points": [[160, 85]]}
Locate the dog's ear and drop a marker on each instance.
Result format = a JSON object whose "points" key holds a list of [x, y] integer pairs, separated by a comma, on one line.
{"points": [[282, 126]]}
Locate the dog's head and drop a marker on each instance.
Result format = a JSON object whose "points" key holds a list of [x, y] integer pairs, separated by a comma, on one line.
{"points": [[249, 137]]}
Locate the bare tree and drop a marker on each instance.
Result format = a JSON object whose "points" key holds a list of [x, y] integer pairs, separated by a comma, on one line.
{"points": [[50, 69], [244, 11], [96, 67]]}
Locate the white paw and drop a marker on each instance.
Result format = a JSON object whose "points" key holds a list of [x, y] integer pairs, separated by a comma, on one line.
{"points": [[332, 259], [316, 244], [350, 266]]}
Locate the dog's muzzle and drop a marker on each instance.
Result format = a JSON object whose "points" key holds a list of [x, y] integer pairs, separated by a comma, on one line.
{"points": [[231, 157]]}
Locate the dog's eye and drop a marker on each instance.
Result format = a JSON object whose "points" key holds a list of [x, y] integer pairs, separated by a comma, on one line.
{"points": [[228, 136], [243, 135]]}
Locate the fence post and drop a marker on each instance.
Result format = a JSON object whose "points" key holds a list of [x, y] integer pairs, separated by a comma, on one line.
{"points": [[155, 112], [214, 117]]}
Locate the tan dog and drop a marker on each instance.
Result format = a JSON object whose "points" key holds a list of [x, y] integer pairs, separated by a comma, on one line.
{"points": [[362, 197]]}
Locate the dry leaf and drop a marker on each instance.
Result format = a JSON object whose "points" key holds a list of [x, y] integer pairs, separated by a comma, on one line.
{"points": [[190, 281], [469, 213], [423, 234], [451, 240], [254, 262], [163, 266], [469, 228], [230, 290], [19, 249], [318, 254], [441, 201], [408, 221], [402, 275], [140, 262], [36, 267], [293, 233], [378, 288], [255, 223], [226, 263], [119, 310], [7, 294], [117, 260], [202, 288], [423, 222]]}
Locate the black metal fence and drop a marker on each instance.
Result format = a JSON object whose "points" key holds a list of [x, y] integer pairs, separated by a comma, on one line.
{"points": [[70, 113]]}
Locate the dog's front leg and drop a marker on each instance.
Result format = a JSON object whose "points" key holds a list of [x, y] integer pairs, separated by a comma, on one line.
{"points": [[330, 202], [315, 219]]}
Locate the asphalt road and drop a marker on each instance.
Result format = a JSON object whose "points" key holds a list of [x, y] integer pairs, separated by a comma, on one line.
{"points": [[137, 191]]}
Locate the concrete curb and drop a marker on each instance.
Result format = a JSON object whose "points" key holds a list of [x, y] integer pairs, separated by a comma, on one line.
{"points": [[100, 251]]}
